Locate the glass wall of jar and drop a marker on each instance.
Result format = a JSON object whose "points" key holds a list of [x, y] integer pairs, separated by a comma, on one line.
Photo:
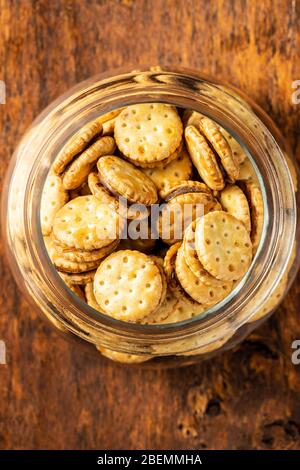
{"points": [[228, 322]]}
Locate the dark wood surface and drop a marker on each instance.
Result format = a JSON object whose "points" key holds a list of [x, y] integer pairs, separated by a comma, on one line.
{"points": [[51, 394]]}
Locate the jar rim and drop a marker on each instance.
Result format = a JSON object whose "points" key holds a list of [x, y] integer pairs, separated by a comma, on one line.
{"points": [[184, 88]]}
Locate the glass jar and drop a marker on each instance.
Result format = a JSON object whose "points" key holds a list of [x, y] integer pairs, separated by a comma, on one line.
{"points": [[228, 322]]}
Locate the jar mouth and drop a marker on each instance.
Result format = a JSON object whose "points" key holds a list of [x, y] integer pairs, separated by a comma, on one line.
{"points": [[183, 88]]}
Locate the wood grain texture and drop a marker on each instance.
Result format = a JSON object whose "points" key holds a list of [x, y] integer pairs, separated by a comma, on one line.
{"points": [[51, 394]]}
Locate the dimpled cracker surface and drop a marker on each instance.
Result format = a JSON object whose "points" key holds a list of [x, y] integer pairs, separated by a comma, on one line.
{"points": [[148, 132], [204, 158], [54, 197], [127, 211], [192, 259], [123, 179], [178, 213], [223, 245], [76, 144], [128, 285], [247, 172], [86, 224], [77, 172], [197, 290], [178, 170], [184, 309], [236, 149], [234, 201], [158, 164], [221, 147], [164, 311]]}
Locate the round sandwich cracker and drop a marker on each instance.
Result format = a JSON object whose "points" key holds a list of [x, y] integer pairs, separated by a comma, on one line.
{"points": [[183, 187], [236, 149], [223, 245], [77, 172], [76, 144], [148, 132], [192, 260], [68, 266], [77, 278], [169, 268], [234, 201], [204, 158], [197, 290], [86, 224], [256, 204], [128, 285], [124, 180], [131, 211], [217, 140], [80, 256], [99, 191]]}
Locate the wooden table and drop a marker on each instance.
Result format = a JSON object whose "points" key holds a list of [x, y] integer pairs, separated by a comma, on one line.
{"points": [[53, 395]]}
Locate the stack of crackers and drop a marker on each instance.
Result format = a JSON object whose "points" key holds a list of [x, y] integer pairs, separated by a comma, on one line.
{"points": [[112, 174]]}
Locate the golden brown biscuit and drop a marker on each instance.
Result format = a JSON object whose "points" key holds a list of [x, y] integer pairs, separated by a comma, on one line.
{"points": [[128, 285], [86, 224], [204, 158], [221, 147], [223, 245], [77, 172], [123, 179], [147, 133], [76, 144], [234, 201], [207, 295], [178, 213]]}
